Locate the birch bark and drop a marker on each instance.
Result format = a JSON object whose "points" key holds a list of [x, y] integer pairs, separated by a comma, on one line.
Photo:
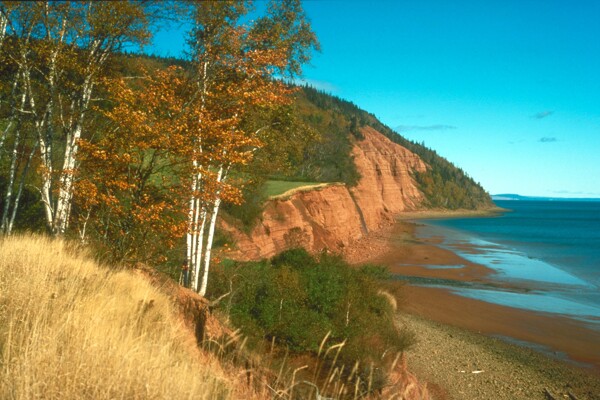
{"points": [[200, 244], [11, 180], [211, 235], [3, 26], [15, 207], [197, 210], [65, 194]]}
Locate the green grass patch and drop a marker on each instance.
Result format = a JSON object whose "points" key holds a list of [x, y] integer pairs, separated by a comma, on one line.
{"points": [[276, 188]]}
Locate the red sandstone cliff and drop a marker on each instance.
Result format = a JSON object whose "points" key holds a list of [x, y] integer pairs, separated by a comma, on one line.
{"points": [[386, 187], [334, 217]]}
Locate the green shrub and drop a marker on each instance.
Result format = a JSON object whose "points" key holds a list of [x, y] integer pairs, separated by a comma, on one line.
{"points": [[250, 210], [296, 299]]}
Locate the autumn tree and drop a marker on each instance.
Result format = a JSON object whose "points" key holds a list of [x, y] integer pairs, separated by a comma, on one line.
{"points": [[129, 194], [205, 124], [55, 53], [235, 67]]}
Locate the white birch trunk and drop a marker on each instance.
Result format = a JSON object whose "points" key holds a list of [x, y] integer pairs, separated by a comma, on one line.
{"points": [[45, 127], [198, 258], [11, 181], [45, 144], [196, 210], [209, 243], [190, 232], [3, 26], [65, 194], [15, 110], [211, 235], [46, 189], [82, 231], [15, 207]]}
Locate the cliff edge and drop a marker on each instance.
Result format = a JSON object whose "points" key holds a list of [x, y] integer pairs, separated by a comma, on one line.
{"points": [[335, 216]]}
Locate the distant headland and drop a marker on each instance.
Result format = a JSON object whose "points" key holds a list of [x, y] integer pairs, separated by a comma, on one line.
{"points": [[518, 197]]}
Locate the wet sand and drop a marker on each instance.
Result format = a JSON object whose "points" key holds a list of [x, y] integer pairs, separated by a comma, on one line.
{"points": [[558, 334], [410, 256], [413, 257]]}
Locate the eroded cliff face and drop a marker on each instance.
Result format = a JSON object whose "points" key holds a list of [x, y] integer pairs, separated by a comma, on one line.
{"points": [[335, 216], [386, 187]]}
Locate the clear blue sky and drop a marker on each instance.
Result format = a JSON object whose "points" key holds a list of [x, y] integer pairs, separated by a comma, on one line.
{"points": [[507, 90]]}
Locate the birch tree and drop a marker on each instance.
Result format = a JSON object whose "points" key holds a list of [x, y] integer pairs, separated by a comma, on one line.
{"points": [[201, 127], [16, 151], [204, 125], [60, 52], [236, 66], [106, 26]]}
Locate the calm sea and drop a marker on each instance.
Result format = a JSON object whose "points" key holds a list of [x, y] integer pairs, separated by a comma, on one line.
{"points": [[552, 248]]}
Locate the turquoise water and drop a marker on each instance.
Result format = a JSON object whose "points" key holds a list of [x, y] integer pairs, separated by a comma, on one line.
{"points": [[551, 248]]}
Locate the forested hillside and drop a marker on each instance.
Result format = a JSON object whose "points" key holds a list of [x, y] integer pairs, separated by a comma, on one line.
{"points": [[338, 121], [99, 144], [134, 158], [322, 153], [135, 155]]}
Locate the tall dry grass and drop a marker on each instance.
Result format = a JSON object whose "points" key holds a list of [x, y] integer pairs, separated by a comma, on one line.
{"points": [[70, 329]]}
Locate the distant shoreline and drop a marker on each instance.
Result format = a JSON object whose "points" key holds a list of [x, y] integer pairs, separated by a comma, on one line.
{"points": [[404, 253], [516, 197], [414, 257], [445, 214]]}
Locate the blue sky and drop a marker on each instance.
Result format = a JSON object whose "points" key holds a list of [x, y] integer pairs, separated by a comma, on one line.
{"points": [[507, 90]]}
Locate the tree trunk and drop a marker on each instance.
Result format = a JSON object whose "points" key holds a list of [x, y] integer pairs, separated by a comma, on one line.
{"points": [[45, 140], [3, 26], [209, 243], [190, 238], [15, 109], [65, 194], [200, 243], [211, 235], [11, 223], [11, 181], [193, 240], [46, 190]]}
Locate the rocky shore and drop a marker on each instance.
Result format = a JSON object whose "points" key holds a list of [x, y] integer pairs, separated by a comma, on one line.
{"points": [[459, 364], [459, 351]]}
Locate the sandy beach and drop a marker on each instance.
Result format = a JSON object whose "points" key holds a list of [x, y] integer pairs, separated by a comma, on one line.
{"points": [[555, 353]]}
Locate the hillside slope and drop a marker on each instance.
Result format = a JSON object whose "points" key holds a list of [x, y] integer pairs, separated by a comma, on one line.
{"points": [[70, 329], [335, 216], [339, 121]]}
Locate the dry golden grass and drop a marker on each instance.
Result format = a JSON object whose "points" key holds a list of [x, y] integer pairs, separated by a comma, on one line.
{"points": [[70, 329]]}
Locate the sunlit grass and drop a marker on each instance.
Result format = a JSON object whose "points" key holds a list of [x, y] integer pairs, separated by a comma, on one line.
{"points": [[70, 329]]}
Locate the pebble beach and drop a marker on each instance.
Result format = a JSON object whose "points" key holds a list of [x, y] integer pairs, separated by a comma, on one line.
{"points": [[471, 349]]}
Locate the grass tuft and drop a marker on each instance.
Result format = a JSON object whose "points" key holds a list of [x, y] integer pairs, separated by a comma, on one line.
{"points": [[70, 329]]}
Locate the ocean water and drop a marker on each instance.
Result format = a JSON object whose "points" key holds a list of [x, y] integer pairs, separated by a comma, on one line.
{"points": [[548, 252]]}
